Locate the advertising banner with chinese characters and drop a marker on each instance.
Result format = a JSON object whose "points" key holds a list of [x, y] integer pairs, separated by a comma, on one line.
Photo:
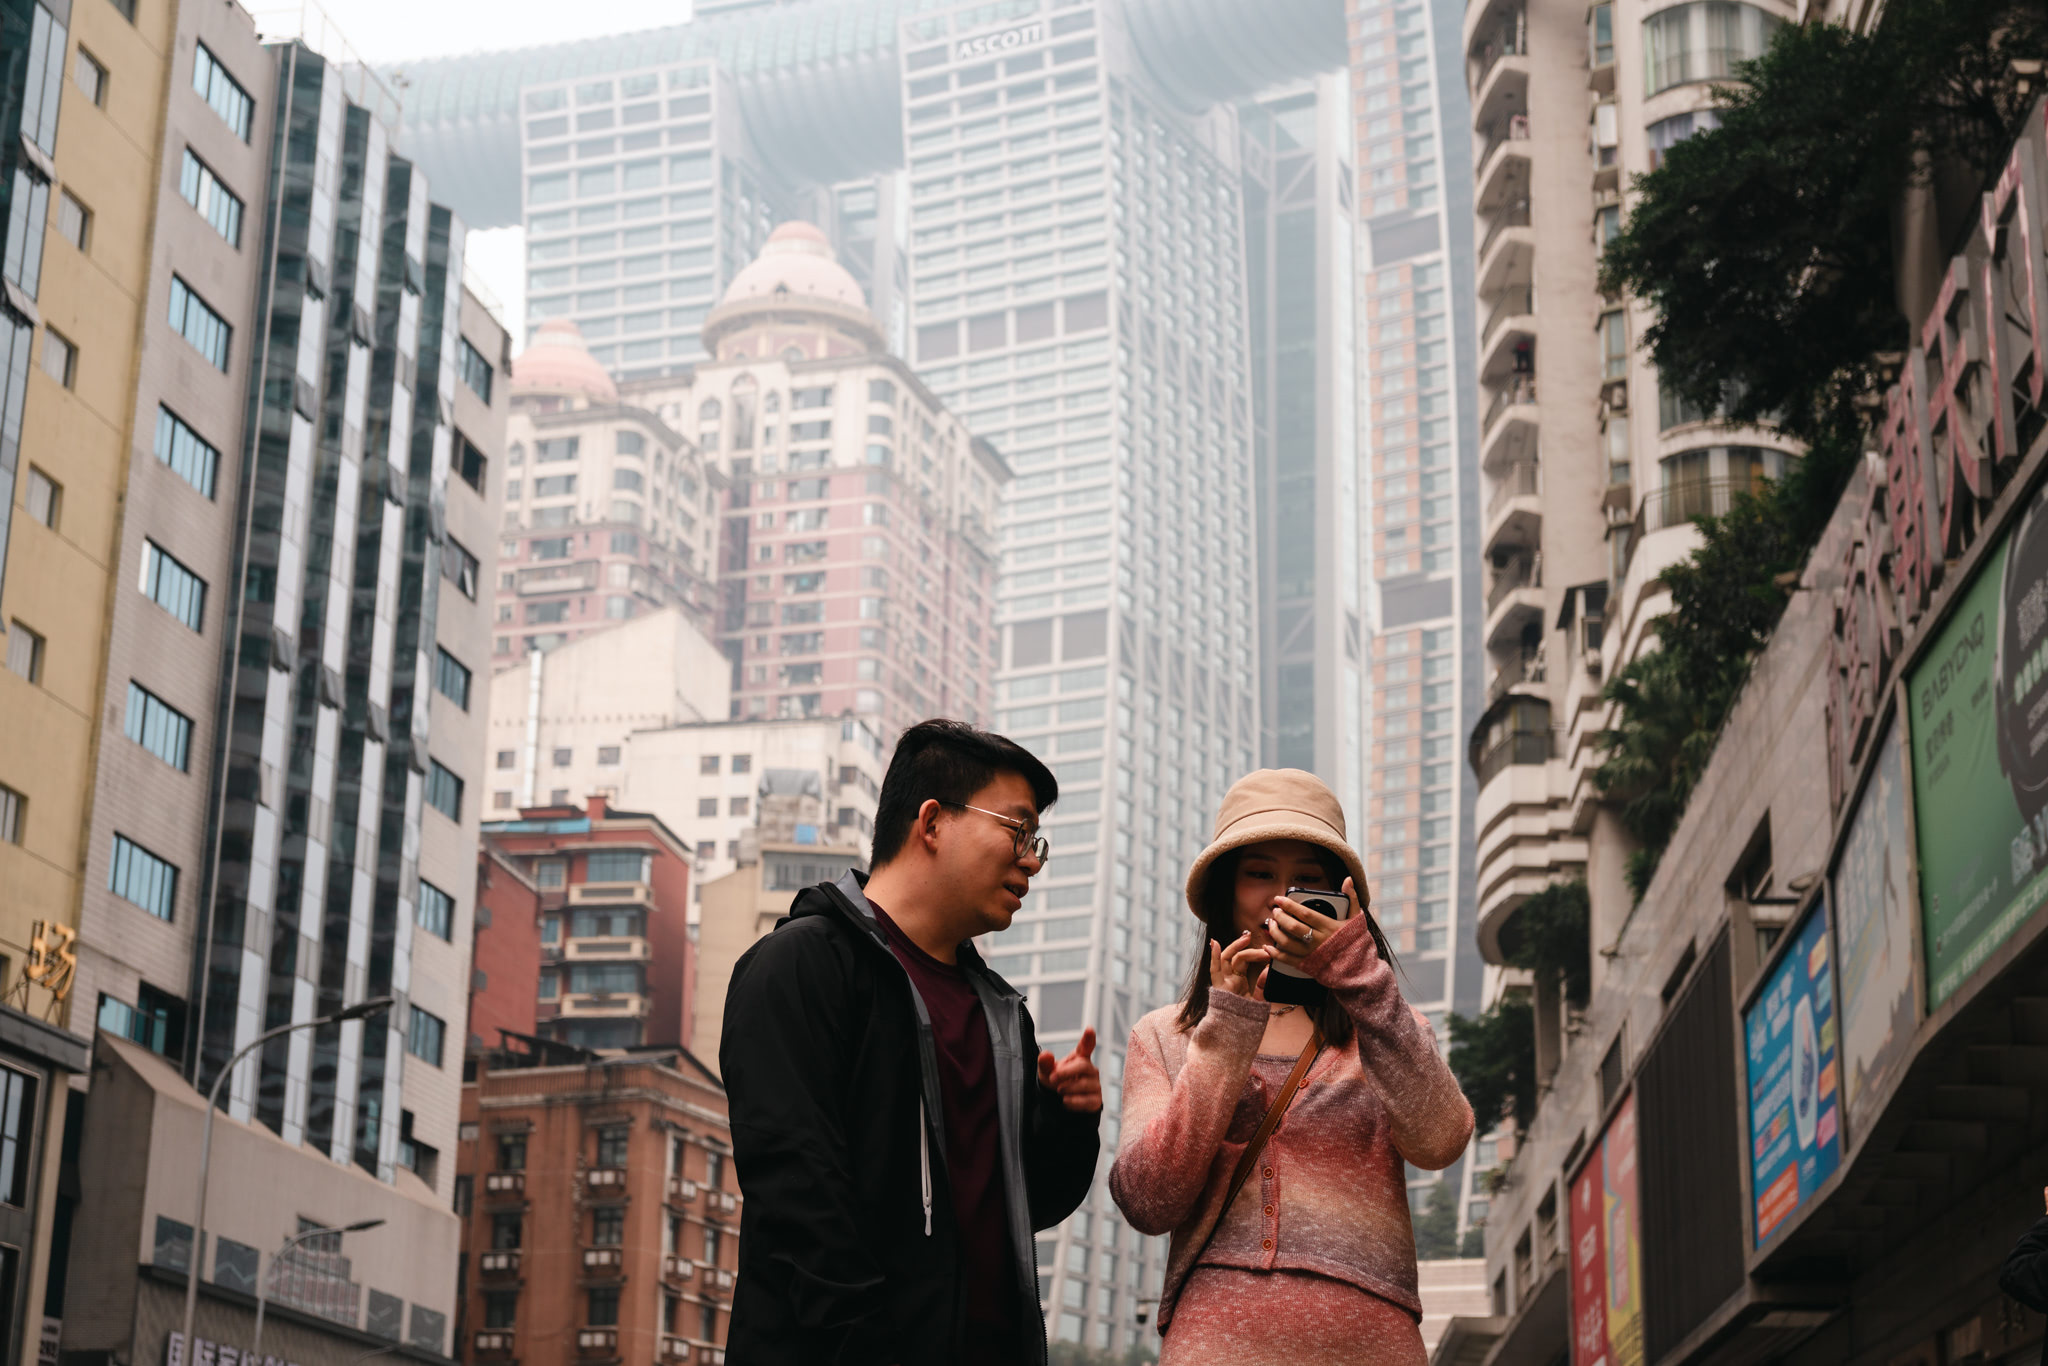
{"points": [[1979, 713], [1794, 1111], [1606, 1251], [1874, 928]]}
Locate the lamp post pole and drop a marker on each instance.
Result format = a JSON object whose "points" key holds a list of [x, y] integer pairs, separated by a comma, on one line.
{"points": [[376, 1005], [263, 1281]]}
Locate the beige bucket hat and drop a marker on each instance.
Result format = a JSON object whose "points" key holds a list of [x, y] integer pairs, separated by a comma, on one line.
{"points": [[1277, 804]]}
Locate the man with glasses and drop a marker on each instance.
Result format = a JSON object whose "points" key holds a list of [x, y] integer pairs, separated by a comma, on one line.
{"points": [[898, 1134]]}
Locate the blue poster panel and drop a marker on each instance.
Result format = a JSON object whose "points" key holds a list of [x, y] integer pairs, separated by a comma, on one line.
{"points": [[1794, 1111]]}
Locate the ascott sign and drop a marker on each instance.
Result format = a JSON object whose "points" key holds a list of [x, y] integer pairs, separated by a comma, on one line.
{"points": [[987, 44]]}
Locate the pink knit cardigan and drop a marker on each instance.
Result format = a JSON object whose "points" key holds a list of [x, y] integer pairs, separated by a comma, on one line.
{"points": [[1329, 1195]]}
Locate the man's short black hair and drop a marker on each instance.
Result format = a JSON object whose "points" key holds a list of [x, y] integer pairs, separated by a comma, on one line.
{"points": [[948, 761]]}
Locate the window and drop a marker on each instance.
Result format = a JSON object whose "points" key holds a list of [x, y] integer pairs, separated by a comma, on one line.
{"points": [[500, 1308], [604, 978], [550, 874], [1665, 134], [444, 790], [470, 462], [550, 984], [743, 763], [222, 92], [424, 1035], [459, 567], [434, 912], [737, 806], [564, 757], [141, 877], [172, 586], [60, 357], [881, 391], [611, 1145], [1702, 42], [707, 763], [608, 1226], [607, 756], [190, 458], [1614, 344], [451, 679], [554, 486], [507, 1231], [25, 652], [44, 497], [511, 1152], [74, 220], [707, 806], [1602, 35], [604, 1307], [219, 206], [191, 319], [13, 810], [88, 75], [612, 865], [475, 370], [159, 727]]}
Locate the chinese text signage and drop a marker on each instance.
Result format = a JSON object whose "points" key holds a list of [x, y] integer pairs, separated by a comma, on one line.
{"points": [[1874, 932], [1606, 1251]]}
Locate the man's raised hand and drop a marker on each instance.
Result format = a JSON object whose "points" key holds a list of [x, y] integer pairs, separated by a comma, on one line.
{"points": [[1074, 1077]]}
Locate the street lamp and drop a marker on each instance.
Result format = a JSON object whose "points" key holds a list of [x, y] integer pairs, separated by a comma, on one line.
{"points": [[375, 1005], [263, 1281]]}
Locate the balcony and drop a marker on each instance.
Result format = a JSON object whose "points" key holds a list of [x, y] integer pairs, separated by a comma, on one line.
{"points": [[678, 1270], [496, 1265], [602, 1261], [609, 1179], [505, 1185], [611, 894], [1514, 509], [681, 1190], [607, 948], [597, 1341], [1508, 335], [558, 578], [1519, 667], [1681, 503], [1507, 433], [1503, 83], [604, 1005], [1507, 254], [1503, 176], [721, 1202], [494, 1342], [713, 1277], [1513, 600], [675, 1349]]}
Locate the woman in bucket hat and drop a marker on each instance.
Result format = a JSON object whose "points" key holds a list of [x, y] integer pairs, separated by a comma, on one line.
{"points": [[1270, 1139]]}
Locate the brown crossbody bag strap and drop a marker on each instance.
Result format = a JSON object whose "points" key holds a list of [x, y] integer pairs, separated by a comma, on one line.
{"points": [[1249, 1159]]}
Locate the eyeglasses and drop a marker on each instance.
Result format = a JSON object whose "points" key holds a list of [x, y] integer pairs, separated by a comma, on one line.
{"points": [[1026, 841]]}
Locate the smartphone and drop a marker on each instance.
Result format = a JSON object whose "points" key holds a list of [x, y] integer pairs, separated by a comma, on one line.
{"points": [[1291, 986]]}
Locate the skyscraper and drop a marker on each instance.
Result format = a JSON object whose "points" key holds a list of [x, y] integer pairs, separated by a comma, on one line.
{"points": [[1126, 229]]}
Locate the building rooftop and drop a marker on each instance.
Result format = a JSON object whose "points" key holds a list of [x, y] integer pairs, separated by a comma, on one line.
{"points": [[557, 362]]}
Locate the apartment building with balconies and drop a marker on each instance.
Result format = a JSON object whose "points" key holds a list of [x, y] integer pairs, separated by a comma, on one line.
{"points": [[600, 1208], [610, 513], [613, 963]]}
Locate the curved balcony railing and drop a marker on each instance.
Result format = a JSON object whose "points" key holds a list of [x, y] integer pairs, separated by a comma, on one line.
{"points": [[1518, 389], [1518, 480], [1512, 303], [1680, 502], [1515, 215], [1517, 747], [1517, 573]]}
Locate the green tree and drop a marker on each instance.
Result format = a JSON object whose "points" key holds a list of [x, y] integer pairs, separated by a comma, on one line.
{"points": [[1474, 1244], [1549, 934], [1493, 1056], [1436, 1232]]}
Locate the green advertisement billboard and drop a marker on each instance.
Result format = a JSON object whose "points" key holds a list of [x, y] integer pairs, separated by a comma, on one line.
{"points": [[1978, 708]]}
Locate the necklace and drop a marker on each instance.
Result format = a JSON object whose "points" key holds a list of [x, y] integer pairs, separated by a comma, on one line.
{"points": [[1275, 1012]]}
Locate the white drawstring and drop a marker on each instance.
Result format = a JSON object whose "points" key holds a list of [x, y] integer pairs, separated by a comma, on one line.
{"points": [[924, 1165]]}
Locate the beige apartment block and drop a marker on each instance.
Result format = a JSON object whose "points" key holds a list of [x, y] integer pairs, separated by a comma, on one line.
{"points": [[1594, 477], [714, 782], [560, 720], [181, 465]]}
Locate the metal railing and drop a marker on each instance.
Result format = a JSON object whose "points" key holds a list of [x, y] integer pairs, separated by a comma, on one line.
{"points": [[1507, 128], [1524, 666], [1520, 572], [1509, 37], [1513, 303], [1518, 480], [1518, 747], [1515, 215], [1682, 501], [1518, 389]]}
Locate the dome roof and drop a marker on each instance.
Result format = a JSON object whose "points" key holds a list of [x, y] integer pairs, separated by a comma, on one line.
{"points": [[797, 262], [556, 361]]}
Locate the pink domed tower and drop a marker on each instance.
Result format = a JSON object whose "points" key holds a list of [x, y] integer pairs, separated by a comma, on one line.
{"points": [[793, 302]]}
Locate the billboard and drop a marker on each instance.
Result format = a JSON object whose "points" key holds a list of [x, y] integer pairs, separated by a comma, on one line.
{"points": [[1873, 931], [1606, 1251], [1794, 1111], [1979, 709]]}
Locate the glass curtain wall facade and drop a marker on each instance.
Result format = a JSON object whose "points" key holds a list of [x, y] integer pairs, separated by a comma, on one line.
{"points": [[1421, 493]]}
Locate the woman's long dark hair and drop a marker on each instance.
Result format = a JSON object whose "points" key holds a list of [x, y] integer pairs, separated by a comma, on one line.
{"points": [[1219, 922]]}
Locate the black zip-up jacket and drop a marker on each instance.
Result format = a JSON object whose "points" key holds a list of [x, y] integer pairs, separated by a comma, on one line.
{"points": [[848, 1249], [2025, 1273]]}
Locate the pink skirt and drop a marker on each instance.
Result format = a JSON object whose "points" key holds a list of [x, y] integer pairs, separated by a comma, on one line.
{"points": [[1286, 1318]]}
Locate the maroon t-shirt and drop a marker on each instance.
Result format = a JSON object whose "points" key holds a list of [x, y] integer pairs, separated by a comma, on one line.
{"points": [[967, 1089]]}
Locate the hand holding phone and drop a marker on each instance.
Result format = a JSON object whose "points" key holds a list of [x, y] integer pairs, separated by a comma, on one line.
{"points": [[1303, 919]]}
